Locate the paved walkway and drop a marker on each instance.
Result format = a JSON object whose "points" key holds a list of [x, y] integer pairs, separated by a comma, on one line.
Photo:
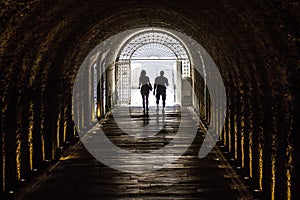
{"points": [[79, 175]]}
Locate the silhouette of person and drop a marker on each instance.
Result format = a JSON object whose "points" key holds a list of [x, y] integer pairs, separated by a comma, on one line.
{"points": [[145, 86], [160, 85]]}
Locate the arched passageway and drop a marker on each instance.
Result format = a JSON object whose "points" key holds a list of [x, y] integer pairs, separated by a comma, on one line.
{"points": [[254, 44]]}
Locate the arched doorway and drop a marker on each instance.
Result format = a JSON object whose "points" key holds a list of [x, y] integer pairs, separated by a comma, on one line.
{"points": [[153, 51]]}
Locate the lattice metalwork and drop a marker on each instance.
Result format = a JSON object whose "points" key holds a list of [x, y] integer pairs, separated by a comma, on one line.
{"points": [[123, 82], [161, 41], [186, 72], [153, 51]]}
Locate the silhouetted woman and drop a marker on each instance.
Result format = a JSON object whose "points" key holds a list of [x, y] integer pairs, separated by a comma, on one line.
{"points": [[145, 86]]}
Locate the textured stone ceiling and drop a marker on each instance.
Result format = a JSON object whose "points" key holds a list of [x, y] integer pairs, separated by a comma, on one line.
{"points": [[49, 40]]}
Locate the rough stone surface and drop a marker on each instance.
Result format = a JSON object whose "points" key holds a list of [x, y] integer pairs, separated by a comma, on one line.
{"points": [[81, 176]]}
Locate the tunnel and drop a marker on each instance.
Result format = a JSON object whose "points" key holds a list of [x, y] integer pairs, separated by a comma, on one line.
{"points": [[252, 47]]}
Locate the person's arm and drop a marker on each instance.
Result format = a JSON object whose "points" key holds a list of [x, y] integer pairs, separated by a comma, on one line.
{"points": [[167, 84], [154, 87], [139, 82], [149, 83]]}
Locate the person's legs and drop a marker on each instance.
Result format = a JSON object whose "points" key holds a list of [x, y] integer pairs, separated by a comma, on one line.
{"points": [[147, 102], [143, 101], [157, 99], [164, 99]]}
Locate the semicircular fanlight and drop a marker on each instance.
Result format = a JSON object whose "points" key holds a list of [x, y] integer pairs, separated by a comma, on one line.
{"points": [[153, 44], [153, 50]]}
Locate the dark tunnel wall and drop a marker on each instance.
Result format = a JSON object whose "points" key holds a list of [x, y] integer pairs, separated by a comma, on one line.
{"points": [[255, 44]]}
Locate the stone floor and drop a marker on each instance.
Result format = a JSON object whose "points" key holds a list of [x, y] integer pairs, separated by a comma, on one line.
{"points": [[78, 175]]}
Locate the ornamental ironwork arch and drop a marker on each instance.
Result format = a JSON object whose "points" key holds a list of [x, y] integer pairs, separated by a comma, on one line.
{"points": [[148, 45]]}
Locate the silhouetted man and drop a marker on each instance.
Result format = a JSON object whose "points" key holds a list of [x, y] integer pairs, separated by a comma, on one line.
{"points": [[160, 85]]}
